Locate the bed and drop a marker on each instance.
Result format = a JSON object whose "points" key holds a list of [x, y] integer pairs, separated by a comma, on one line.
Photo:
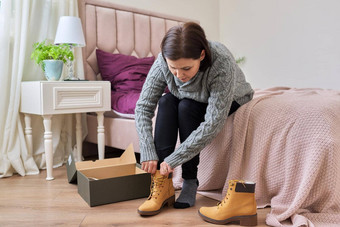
{"points": [[287, 140]]}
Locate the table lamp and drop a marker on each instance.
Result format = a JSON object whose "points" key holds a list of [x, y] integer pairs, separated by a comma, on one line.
{"points": [[70, 31]]}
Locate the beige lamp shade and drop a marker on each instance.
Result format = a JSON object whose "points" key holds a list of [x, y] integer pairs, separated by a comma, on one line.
{"points": [[70, 31]]}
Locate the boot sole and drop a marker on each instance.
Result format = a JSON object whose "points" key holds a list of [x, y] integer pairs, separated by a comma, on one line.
{"points": [[246, 220], [170, 201]]}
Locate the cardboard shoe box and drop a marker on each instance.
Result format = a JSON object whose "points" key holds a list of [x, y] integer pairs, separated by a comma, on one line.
{"points": [[109, 180]]}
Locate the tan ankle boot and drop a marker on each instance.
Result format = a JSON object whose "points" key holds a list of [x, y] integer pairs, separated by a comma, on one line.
{"points": [[238, 205], [162, 192]]}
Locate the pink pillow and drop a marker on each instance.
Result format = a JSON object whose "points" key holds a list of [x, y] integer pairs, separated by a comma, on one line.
{"points": [[127, 75]]}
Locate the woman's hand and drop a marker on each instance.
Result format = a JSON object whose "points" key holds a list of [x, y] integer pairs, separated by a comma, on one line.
{"points": [[150, 166], [166, 169]]}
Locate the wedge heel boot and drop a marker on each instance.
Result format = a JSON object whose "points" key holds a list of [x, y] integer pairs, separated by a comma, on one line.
{"points": [[239, 205], [162, 193]]}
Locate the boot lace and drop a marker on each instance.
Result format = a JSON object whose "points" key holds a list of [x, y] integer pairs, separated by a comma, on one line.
{"points": [[232, 183], [156, 186]]}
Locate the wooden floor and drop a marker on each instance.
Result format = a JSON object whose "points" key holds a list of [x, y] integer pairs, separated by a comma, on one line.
{"points": [[33, 201]]}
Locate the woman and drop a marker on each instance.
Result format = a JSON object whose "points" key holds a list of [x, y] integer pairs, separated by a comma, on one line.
{"points": [[205, 86]]}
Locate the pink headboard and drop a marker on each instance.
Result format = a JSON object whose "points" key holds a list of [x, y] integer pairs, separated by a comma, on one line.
{"points": [[120, 29]]}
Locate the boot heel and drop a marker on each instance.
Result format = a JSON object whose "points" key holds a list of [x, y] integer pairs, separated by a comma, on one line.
{"points": [[249, 220], [171, 201]]}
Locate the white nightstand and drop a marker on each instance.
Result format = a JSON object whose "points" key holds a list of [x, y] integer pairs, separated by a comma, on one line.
{"points": [[47, 98]]}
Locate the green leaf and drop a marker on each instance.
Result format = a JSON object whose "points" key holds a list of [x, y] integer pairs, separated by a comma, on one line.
{"points": [[241, 60], [45, 51]]}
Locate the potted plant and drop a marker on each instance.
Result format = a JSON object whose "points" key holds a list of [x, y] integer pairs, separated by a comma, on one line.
{"points": [[51, 58]]}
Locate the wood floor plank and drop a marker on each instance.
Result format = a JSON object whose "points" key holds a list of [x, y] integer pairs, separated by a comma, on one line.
{"points": [[33, 201]]}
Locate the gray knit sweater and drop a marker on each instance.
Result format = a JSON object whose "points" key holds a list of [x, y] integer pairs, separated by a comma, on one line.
{"points": [[219, 86]]}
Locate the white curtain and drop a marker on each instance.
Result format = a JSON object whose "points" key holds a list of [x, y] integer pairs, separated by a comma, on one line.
{"points": [[23, 23]]}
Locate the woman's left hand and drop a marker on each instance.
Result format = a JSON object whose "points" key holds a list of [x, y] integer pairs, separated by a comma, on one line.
{"points": [[165, 169]]}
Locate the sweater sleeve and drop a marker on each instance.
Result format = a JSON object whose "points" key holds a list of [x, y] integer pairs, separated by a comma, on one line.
{"points": [[152, 90], [219, 103]]}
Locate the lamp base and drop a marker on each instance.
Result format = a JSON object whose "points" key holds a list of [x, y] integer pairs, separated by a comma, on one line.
{"points": [[71, 79], [75, 80]]}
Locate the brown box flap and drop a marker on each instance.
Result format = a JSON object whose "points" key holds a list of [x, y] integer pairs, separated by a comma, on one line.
{"points": [[126, 159]]}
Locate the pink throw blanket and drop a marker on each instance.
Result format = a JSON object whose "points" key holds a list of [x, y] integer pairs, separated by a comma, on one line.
{"points": [[288, 142]]}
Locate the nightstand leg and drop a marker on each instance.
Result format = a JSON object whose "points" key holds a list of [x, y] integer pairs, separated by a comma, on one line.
{"points": [[101, 135], [48, 146], [28, 134], [79, 137]]}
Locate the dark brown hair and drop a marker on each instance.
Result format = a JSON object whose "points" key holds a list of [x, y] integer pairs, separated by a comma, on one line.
{"points": [[186, 41]]}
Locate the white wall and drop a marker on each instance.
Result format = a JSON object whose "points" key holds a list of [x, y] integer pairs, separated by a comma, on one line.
{"points": [[286, 43], [205, 11]]}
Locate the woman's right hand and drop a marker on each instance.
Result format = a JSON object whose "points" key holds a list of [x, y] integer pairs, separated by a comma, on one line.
{"points": [[150, 166]]}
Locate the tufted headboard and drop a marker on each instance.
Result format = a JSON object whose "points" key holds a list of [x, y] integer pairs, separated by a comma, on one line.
{"points": [[120, 29]]}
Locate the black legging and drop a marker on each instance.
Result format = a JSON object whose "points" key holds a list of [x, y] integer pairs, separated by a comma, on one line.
{"points": [[179, 115]]}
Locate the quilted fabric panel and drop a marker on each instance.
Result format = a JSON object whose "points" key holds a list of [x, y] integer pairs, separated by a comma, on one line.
{"points": [[123, 30], [106, 29]]}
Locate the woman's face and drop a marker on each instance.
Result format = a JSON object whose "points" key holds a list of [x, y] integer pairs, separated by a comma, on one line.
{"points": [[185, 68]]}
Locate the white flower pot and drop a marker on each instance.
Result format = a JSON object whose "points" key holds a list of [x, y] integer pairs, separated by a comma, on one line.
{"points": [[53, 69]]}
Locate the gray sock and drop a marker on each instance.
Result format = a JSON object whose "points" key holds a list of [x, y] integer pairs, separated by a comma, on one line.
{"points": [[187, 198]]}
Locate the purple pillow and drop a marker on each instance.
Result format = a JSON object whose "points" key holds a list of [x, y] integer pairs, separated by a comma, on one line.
{"points": [[127, 75], [124, 102]]}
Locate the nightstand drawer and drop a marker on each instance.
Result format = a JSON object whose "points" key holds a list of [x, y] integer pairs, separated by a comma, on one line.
{"points": [[45, 97], [77, 97]]}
